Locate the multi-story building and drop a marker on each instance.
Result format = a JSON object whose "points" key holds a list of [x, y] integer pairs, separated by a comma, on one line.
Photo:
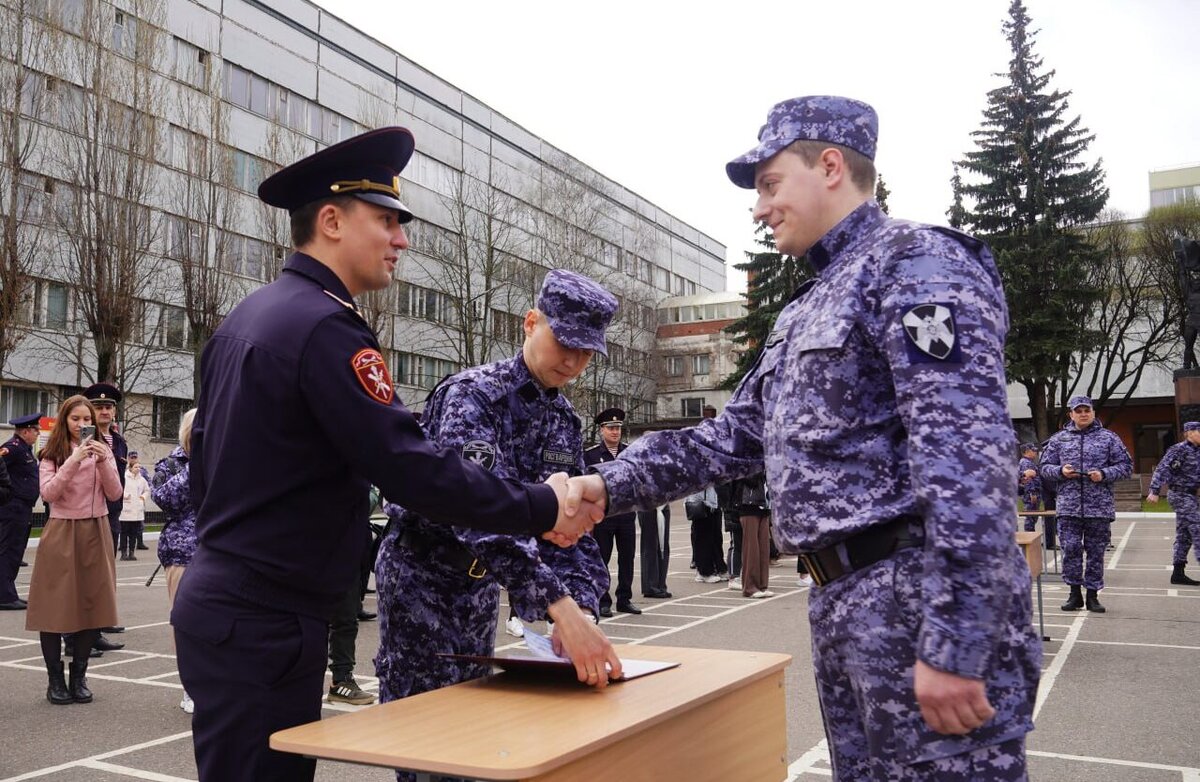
{"points": [[144, 128], [1174, 185], [695, 355]]}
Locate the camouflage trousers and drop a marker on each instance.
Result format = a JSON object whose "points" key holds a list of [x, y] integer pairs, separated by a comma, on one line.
{"points": [[1081, 538], [864, 638], [1187, 525], [1030, 502]]}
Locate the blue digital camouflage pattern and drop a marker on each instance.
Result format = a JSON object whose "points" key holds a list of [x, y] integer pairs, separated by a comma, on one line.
{"points": [[1179, 469], [499, 416], [1079, 400], [1082, 539], [1093, 448], [829, 118], [1031, 488], [169, 488], [857, 410], [577, 308]]}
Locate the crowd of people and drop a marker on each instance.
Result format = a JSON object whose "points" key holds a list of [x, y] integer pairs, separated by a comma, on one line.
{"points": [[844, 445]]}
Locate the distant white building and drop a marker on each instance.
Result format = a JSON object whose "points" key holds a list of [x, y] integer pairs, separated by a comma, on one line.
{"points": [[694, 353]]}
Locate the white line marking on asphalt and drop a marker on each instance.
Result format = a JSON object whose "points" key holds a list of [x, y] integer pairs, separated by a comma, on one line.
{"points": [[804, 764], [1112, 564], [41, 772], [1132, 643], [126, 771], [1056, 667], [1185, 770]]}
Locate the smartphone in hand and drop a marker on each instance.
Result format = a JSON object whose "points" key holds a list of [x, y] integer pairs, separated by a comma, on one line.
{"points": [[86, 433]]}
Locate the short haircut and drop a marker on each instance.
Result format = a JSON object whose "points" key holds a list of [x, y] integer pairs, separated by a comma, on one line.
{"points": [[861, 168], [304, 219]]}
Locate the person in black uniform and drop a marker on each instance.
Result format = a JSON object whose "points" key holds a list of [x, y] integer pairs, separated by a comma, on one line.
{"points": [[104, 398], [620, 527], [280, 486], [16, 514]]}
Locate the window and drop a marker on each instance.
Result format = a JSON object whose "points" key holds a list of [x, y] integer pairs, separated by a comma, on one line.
{"points": [[610, 255], [691, 288], [662, 278], [168, 413], [508, 327], [16, 401], [426, 304], [432, 174], [422, 371], [124, 34], [692, 407], [164, 325], [187, 151], [248, 171], [191, 63], [34, 194], [680, 285], [700, 363], [51, 301], [185, 239], [673, 366]]}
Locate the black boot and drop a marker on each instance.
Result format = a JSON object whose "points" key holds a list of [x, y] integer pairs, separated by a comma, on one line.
{"points": [[1075, 601], [1179, 577], [1093, 603], [57, 692], [78, 686]]}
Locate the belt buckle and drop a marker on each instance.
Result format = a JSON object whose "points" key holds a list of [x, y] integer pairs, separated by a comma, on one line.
{"points": [[471, 571], [813, 565]]}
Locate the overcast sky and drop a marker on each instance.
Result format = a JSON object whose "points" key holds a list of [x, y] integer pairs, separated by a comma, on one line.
{"points": [[660, 95]]}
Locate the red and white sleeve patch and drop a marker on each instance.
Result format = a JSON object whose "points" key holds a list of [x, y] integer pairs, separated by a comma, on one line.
{"points": [[372, 373]]}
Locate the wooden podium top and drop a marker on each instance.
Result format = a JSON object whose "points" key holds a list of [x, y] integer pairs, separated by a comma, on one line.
{"points": [[1031, 546], [507, 727]]}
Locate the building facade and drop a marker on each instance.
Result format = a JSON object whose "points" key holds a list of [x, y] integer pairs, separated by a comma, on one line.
{"points": [[695, 355], [143, 130]]}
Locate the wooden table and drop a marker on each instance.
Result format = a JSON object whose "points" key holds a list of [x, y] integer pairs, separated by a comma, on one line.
{"points": [[1031, 547], [719, 715]]}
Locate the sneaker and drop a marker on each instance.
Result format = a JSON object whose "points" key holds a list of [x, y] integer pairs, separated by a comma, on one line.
{"points": [[514, 627], [805, 580], [759, 595], [348, 691], [735, 584], [188, 706], [699, 579], [713, 579]]}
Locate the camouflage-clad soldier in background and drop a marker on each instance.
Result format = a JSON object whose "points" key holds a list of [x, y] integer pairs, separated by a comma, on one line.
{"points": [[926, 662], [1028, 482], [439, 587], [1179, 469], [1084, 460]]}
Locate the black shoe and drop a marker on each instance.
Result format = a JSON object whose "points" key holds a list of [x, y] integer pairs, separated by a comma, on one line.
{"points": [[16, 605], [1177, 577], [606, 611], [370, 591], [628, 608], [24, 563], [78, 684], [141, 547], [57, 692], [1093, 603], [113, 629], [123, 557], [1075, 601], [105, 645], [131, 558], [657, 593], [94, 653], [366, 616]]}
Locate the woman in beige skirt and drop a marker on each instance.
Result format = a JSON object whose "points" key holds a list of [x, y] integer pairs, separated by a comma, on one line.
{"points": [[73, 588]]}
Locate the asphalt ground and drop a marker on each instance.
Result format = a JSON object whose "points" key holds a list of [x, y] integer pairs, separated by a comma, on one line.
{"points": [[1119, 700]]}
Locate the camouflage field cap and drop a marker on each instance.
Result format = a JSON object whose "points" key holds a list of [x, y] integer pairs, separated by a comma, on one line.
{"points": [[1028, 447], [366, 166], [845, 121], [578, 309], [1079, 400], [1192, 426]]}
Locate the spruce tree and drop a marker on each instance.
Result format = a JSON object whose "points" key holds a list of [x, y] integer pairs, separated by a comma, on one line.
{"points": [[881, 194], [771, 279], [1029, 194]]}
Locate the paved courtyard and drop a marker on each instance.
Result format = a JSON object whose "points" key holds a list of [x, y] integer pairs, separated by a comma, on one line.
{"points": [[1119, 701]]}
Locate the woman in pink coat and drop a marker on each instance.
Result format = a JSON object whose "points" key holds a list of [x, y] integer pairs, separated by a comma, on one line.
{"points": [[73, 588]]}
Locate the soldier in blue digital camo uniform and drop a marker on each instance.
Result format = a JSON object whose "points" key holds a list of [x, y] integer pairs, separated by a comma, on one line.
{"points": [[878, 410], [438, 586], [1180, 471], [1028, 483], [1084, 459]]}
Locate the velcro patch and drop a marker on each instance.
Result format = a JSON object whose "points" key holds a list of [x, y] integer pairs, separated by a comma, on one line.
{"points": [[557, 457], [481, 452], [932, 334], [372, 373]]}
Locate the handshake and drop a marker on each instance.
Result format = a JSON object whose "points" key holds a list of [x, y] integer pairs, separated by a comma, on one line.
{"points": [[581, 505]]}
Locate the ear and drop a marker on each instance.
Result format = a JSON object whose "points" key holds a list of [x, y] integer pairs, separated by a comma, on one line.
{"points": [[833, 165], [329, 221], [530, 322]]}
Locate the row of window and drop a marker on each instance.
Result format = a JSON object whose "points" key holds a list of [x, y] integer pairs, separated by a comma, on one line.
{"points": [[694, 312], [166, 412], [48, 305], [1175, 195], [261, 96], [673, 365]]}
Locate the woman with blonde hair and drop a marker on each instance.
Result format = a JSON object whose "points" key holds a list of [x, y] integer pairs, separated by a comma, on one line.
{"points": [[73, 588], [177, 541]]}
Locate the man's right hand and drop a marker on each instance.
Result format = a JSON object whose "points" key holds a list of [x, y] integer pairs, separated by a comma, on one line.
{"points": [[1151, 497], [573, 519], [576, 636]]}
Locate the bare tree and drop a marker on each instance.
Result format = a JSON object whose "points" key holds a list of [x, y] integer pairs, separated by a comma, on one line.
{"points": [[108, 231], [24, 99], [281, 147]]}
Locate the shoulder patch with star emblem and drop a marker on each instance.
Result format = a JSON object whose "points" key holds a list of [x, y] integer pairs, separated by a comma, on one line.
{"points": [[481, 452], [931, 333], [372, 373]]}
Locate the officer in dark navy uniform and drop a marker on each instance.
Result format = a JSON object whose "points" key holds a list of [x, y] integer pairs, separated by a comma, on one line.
{"points": [[105, 397], [619, 528], [16, 514], [281, 486]]}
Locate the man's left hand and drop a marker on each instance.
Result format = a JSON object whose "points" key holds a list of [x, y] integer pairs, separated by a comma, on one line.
{"points": [[950, 704]]}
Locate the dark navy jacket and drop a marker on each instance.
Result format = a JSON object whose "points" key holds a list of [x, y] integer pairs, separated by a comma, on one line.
{"points": [[296, 420], [23, 473], [600, 453]]}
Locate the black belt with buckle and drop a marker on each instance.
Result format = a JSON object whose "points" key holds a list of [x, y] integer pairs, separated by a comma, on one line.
{"points": [[866, 548], [449, 552]]}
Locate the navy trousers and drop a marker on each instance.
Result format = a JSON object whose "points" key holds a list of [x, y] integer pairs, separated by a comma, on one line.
{"points": [[620, 529], [15, 523]]}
